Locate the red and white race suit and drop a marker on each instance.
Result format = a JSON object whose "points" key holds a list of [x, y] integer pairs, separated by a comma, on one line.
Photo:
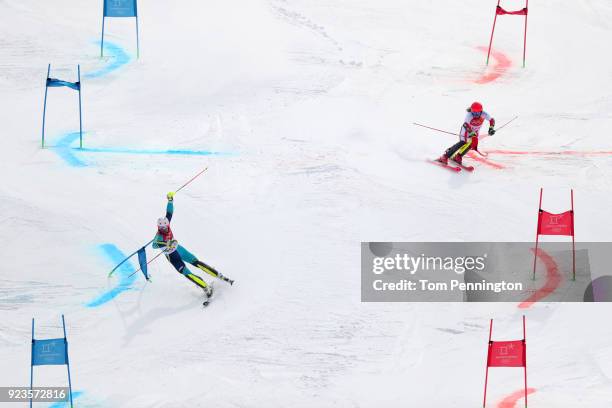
{"points": [[473, 123]]}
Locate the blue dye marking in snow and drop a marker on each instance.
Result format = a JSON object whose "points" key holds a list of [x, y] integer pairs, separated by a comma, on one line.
{"points": [[148, 151], [118, 58], [63, 149], [115, 255], [69, 154], [75, 395]]}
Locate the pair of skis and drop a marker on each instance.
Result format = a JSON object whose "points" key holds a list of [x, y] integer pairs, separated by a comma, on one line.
{"points": [[455, 167]]}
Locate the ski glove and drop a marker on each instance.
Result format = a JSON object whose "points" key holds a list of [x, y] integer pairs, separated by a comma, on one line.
{"points": [[172, 244], [170, 196], [491, 131]]}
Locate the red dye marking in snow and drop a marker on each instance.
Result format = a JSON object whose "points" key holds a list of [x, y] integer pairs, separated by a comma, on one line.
{"points": [[551, 153], [511, 400], [553, 280], [501, 66], [483, 160]]}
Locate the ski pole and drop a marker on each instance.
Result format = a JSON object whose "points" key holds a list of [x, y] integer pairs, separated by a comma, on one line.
{"points": [[498, 129], [506, 124], [455, 134], [193, 178], [437, 130], [139, 269]]}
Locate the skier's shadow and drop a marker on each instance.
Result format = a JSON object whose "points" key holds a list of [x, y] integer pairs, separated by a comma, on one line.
{"points": [[457, 181], [140, 325]]}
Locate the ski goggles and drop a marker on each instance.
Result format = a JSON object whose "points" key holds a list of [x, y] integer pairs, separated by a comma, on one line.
{"points": [[476, 113]]}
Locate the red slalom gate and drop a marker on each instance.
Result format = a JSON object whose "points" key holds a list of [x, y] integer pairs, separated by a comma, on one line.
{"points": [[499, 11], [506, 354], [556, 224]]}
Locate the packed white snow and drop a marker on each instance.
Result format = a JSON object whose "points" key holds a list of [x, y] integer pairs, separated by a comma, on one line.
{"points": [[308, 107]]}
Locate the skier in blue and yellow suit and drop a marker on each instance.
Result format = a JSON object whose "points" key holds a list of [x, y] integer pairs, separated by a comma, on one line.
{"points": [[177, 255]]}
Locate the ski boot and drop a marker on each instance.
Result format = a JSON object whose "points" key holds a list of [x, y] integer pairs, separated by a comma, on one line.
{"points": [[458, 159], [443, 159], [208, 291], [226, 279]]}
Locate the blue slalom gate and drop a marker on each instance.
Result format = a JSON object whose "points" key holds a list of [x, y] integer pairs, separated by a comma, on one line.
{"points": [[50, 352]]}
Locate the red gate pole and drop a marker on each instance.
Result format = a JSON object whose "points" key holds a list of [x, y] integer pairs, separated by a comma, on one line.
{"points": [[535, 256], [493, 30], [525, 357], [484, 402], [525, 38], [573, 240]]}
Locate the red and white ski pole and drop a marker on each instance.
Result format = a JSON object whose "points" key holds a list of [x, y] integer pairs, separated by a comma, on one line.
{"points": [[190, 180], [436, 129], [506, 124]]}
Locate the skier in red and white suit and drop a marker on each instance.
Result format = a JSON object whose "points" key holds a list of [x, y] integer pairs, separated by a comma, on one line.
{"points": [[468, 137]]}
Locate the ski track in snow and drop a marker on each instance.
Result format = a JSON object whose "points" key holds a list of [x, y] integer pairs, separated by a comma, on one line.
{"points": [[551, 153]]}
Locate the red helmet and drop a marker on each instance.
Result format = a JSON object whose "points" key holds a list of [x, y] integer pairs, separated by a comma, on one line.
{"points": [[476, 107]]}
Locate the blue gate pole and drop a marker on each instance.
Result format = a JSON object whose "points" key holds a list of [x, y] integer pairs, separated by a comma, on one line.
{"points": [[32, 363], [102, 42], [67, 361], [80, 115], [45, 107]]}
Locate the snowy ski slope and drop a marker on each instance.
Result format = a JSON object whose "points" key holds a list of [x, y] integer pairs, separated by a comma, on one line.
{"points": [[303, 112]]}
